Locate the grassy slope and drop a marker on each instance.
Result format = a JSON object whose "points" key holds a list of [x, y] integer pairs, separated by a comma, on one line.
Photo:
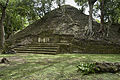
{"points": [[53, 67]]}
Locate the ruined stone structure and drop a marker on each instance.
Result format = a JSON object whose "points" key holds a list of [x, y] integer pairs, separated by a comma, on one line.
{"points": [[59, 32]]}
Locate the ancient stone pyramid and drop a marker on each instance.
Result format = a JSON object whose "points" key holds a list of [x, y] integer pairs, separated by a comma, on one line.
{"points": [[62, 31], [67, 20]]}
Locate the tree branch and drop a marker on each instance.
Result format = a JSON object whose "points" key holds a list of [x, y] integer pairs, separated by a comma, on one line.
{"points": [[7, 3]]}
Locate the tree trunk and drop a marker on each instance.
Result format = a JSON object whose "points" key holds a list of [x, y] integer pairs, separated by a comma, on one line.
{"points": [[90, 18], [2, 35], [2, 31], [102, 16], [58, 3]]}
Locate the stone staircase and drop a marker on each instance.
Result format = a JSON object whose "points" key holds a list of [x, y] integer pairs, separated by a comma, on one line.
{"points": [[38, 48]]}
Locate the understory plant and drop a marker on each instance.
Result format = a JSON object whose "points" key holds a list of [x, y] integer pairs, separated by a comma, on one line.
{"points": [[86, 68]]}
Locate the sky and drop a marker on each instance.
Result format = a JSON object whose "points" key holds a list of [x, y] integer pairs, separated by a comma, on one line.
{"points": [[72, 3]]}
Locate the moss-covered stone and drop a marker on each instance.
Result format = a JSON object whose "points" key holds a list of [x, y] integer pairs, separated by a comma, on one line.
{"points": [[99, 47]]}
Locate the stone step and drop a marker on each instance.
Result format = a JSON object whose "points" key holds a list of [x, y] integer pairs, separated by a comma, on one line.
{"points": [[47, 50], [37, 47], [49, 43], [42, 45], [36, 52], [40, 48]]}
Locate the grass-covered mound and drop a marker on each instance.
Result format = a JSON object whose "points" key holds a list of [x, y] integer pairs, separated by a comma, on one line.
{"points": [[54, 67]]}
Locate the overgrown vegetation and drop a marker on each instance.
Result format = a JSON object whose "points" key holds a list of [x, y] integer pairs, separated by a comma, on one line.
{"points": [[87, 68]]}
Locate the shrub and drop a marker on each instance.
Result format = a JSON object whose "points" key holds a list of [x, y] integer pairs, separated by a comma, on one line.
{"points": [[87, 68]]}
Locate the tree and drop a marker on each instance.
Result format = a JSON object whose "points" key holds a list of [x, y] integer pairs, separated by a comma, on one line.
{"points": [[60, 2], [43, 7], [90, 4], [102, 16], [3, 10], [110, 14], [19, 14], [112, 11]]}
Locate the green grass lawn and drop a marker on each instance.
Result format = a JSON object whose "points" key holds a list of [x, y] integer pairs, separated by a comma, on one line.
{"points": [[54, 67]]}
